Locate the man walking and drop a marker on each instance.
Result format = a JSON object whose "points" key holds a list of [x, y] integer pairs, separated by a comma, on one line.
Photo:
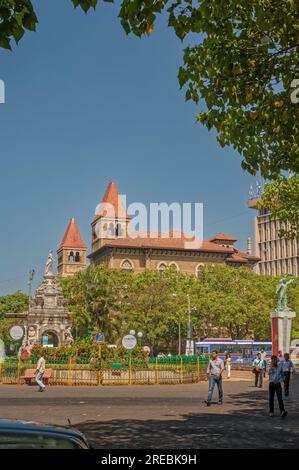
{"points": [[258, 368], [275, 377], [214, 372], [39, 373], [288, 369]]}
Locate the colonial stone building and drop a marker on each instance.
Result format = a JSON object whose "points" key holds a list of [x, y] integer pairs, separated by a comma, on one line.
{"points": [[113, 245]]}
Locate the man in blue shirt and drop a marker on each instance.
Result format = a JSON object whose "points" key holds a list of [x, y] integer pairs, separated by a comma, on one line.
{"points": [[258, 367], [214, 373], [275, 377]]}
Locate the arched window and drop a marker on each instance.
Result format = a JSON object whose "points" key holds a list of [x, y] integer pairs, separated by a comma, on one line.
{"points": [[199, 267], [173, 265], [77, 257], [71, 257], [111, 231], [161, 267], [127, 265], [119, 230]]}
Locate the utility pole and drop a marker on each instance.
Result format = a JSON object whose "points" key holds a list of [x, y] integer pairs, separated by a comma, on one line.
{"points": [[30, 280], [189, 343], [180, 339]]}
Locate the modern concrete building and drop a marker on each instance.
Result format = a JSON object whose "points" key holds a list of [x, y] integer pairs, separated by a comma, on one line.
{"points": [[278, 256]]}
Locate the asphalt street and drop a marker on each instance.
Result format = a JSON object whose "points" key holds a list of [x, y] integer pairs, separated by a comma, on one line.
{"points": [[160, 416]]}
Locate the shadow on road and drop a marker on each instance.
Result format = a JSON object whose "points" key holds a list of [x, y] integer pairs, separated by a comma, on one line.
{"points": [[248, 427]]}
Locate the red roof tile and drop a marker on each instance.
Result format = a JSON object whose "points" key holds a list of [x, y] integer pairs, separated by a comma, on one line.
{"points": [[72, 237], [241, 257], [111, 205], [223, 237], [173, 240]]}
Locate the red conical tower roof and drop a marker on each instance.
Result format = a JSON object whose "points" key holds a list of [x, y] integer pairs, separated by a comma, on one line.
{"points": [[72, 237], [111, 205]]}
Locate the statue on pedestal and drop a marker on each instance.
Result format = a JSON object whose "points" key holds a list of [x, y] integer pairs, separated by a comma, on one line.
{"points": [[281, 290], [49, 264], [68, 337]]}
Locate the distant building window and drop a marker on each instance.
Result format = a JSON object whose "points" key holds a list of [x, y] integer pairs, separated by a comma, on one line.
{"points": [[111, 231], [77, 257], [162, 267], [119, 230], [71, 257], [174, 266], [127, 265], [199, 267]]}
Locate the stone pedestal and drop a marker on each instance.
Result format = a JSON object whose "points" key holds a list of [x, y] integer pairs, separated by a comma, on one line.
{"points": [[48, 315], [281, 330]]}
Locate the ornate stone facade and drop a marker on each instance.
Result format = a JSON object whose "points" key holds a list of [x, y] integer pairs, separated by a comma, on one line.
{"points": [[48, 316]]}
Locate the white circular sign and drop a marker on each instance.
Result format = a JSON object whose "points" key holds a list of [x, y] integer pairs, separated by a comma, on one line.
{"points": [[129, 342], [16, 332]]}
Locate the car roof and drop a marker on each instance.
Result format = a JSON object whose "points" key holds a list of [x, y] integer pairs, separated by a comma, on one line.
{"points": [[18, 425]]}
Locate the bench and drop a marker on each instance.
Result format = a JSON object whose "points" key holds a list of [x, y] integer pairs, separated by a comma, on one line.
{"points": [[30, 376]]}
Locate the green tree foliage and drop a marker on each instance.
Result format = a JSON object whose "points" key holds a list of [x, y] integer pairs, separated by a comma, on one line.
{"points": [[15, 18], [227, 301], [233, 300], [95, 298], [281, 198], [241, 66], [293, 300], [156, 304], [12, 303]]}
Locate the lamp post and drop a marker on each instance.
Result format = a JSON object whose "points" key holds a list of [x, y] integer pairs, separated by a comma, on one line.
{"points": [[139, 337], [26, 323], [189, 342]]}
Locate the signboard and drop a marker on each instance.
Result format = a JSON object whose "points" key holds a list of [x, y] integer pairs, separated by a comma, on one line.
{"points": [[16, 332], [129, 342], [99, 338]]}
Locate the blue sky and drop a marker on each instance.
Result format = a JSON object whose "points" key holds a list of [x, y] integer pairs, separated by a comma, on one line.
{"points": [[86, 104]]}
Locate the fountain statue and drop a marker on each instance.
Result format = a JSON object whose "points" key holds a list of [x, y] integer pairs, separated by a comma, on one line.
{"points": [[282, 319]]}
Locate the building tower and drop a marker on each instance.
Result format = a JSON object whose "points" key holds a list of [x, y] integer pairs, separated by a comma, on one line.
{"points": [[71, 252], [111, 221]]}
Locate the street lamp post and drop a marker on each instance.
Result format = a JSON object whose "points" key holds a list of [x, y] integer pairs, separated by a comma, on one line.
{"points": [[139, 337], [26, 323], [189, 343]]}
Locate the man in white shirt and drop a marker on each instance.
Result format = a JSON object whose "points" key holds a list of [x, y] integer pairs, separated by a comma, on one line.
{"points": [[39, 373]]}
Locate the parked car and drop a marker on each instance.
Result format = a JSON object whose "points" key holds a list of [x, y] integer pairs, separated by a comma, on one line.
{"points": [[16, 434]]}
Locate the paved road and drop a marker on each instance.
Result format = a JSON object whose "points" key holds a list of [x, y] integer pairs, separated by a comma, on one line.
{"points": [[160, 416]]}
